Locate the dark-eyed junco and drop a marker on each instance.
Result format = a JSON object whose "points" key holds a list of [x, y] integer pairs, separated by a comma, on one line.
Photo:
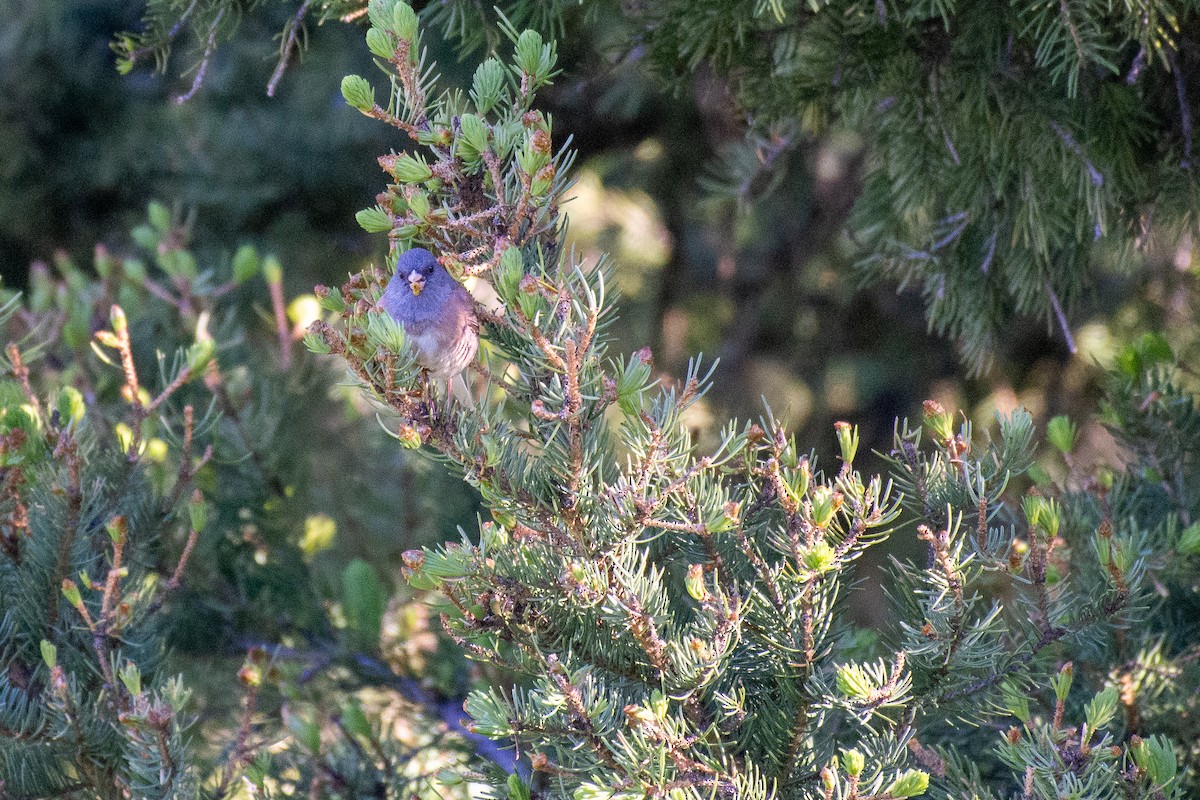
{"points": [[438, 316]]}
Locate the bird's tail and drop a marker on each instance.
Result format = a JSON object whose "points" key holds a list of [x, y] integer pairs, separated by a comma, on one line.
{"points": [[460, 390]]}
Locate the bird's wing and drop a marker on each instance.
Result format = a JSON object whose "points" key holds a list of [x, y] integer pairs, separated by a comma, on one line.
{"points": [[466, 329]]}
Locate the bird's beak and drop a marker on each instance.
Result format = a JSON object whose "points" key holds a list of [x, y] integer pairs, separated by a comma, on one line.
{"points": [[416, 282]]}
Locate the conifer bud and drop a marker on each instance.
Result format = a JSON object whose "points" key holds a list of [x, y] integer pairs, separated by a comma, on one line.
{"points": [[330, 300], [528, 55], [529, 298], [380, 44], [384, 331], [638, 715], [493, 536], [508, 273], [797, 482], [131, 676], [315, 343], [199, 354], [542, 181], [1042, 512], [631, 382], [71, 405], [940, 421], [358, 93], [409, 437], [820, 557], [245, 264], [124, 435], [198, 512], [910, 784], [474, 134], [117, 317], [695, 583], [410, 169], [854, 683], [71, 592], [418, 201], [847, 436], [1156, 757], [49, 653], [1101, 709], [487, 86], [825, 503], [1062, 432], [530, 158], [374, 220], [853, 762], [404, 21], [1061, 683], [659, 704]]}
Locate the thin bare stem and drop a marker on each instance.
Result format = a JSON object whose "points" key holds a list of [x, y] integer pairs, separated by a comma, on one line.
{"points": [[1061, 317], [279, 305], [290, 38], [21, 372], [209, 48], [68, 452]]}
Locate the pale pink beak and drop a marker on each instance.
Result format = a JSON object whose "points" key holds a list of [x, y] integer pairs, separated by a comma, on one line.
{"points": [[416, 282]]}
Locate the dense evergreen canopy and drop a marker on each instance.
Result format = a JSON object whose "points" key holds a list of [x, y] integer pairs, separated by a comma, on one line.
{"points": [[248, 548]]}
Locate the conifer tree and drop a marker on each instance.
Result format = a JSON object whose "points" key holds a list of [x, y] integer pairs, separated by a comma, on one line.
{"points": [[163, 517], [675, 616], [653, 613]]}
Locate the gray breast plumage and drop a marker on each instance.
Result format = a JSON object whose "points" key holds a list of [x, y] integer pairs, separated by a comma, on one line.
{"points": [[440, 323]]}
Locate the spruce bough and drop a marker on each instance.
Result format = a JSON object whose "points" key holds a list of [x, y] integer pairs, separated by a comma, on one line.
{"points": [[677, 621]]}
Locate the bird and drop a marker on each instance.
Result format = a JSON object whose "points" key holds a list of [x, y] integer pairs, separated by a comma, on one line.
{"points": [[438, 316]]}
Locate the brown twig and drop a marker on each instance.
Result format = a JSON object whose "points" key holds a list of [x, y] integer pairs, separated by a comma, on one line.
{"points": [[578, 712], [240, 755], [188, 546], [21, 372], [209, 48], [289, 43], [1061, 317], [112, 583], [68, 452], [279, 305]]}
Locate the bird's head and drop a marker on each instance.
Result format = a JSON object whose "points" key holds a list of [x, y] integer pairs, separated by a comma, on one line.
{"points": [[416, 268]]}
